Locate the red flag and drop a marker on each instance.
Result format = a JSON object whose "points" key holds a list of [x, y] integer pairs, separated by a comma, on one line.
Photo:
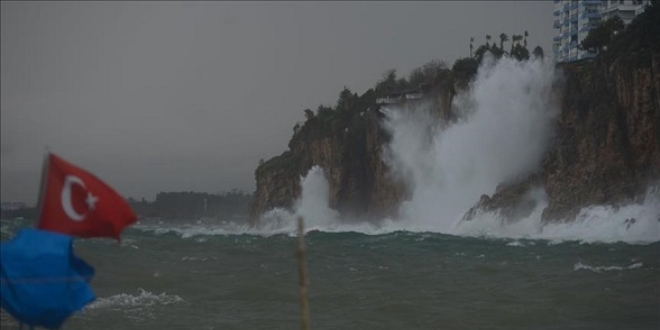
{"points": [[75, 202]]}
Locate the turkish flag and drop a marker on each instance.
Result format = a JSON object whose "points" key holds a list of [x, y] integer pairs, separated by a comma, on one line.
{"points": [[75, 202]]}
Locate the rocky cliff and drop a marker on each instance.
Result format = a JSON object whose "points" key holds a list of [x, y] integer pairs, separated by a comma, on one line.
{"points": [[348, 142], [606, 148], [348, 145]]}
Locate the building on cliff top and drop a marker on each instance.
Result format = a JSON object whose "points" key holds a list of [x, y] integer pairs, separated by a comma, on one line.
{"points": [[399, 97], [574, 18]]}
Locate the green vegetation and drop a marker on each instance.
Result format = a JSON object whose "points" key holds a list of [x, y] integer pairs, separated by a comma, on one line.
{"points": [[466, 67], [390, 83], [611, 38], [427, 74], [503, 38], [600, 36], [538, 52], [642, 33], [279, 162], [348, 105], [517, 50]]}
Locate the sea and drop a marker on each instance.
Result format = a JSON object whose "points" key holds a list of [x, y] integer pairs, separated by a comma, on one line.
{"points": [[219, 275]]}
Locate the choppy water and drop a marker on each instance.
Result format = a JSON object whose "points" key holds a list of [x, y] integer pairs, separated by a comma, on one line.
{"points": [[164, 277]]}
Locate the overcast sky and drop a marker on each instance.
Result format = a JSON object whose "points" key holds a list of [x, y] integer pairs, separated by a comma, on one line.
{"points": [[189, 96]]}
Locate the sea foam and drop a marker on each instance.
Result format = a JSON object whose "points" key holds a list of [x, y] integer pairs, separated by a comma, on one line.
{"points": [[143, 298], [599, 269]]}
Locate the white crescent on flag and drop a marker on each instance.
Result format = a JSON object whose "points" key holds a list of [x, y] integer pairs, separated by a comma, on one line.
{"points": [[66, 198]]}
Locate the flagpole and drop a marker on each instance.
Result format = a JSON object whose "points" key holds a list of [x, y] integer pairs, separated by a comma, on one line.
{"points": [[302, 277], [42, 184]]}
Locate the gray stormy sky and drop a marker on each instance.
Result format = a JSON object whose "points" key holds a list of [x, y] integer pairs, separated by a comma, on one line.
{"points": [[179, 96]]}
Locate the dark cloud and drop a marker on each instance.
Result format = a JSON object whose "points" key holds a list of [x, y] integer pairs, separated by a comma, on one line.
{"points": [[189, 96]]}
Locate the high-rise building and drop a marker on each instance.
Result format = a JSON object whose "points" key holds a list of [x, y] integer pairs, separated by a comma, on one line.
{"points": [[574, 18]]}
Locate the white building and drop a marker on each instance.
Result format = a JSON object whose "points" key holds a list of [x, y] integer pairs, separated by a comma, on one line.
{"points": [[399, 97], [574, 18]]}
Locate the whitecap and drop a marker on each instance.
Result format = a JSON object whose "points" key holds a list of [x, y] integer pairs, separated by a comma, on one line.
{"points": [[143, 299], [598, 269]]}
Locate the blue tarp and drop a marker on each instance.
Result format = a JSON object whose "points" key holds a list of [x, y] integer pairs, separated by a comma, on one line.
{"points": [[41, 281]]}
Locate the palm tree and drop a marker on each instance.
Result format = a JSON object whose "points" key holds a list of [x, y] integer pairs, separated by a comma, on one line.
{"points": [[471, 41], [487, 40], [503, 38], [515, 39], [538, 52]]}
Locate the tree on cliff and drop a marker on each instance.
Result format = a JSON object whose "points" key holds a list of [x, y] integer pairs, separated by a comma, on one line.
{"points": [[538, 52], [497, 52], [503, 38], [367, 99], [642, 33], [481, 52], [601, 35], [347, 100], [390, 83], [465, 68], [515, 40], [323, 111], [426, 74], [520, 53]]}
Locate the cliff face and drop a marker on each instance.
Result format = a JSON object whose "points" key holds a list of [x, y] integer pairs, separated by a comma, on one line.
{"points": [[350, 152], [607, 146]]}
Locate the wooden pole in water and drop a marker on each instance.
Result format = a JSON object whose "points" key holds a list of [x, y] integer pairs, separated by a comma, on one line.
{"points": [[302, 277]]}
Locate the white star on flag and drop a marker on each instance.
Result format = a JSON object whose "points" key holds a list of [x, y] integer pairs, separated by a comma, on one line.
{"points": [[91, 201]]}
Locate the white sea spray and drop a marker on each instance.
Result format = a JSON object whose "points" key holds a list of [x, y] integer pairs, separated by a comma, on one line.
{"points": [[143, 299]]}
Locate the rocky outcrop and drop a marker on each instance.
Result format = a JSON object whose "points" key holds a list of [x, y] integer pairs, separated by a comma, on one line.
{"points": [[348, 142], [607, 146], [513, 202], [349, 147]]}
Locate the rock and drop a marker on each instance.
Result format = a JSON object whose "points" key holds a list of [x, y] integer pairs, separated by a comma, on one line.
{"points": [[360, 186], [606, 148], [607, 145]]}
